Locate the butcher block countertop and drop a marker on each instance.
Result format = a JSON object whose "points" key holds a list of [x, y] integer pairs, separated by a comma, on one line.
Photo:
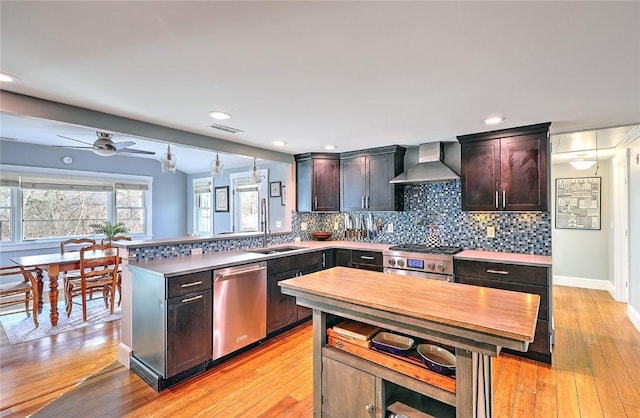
{"points": [[500, 313]]}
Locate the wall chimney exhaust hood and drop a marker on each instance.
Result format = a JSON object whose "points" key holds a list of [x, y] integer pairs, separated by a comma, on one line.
{"points": [[430, 168]]}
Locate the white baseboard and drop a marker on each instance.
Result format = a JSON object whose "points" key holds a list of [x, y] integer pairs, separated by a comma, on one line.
{"points": [[634, 316], [585, 283], [124, 355]]}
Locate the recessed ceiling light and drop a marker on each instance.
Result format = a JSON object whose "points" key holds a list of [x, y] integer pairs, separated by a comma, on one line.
{"points": [[493, 120], [8, 78], [279, 143], [329, 147], [216, 114]]}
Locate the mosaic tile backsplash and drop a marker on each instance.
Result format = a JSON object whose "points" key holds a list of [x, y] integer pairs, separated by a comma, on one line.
{"points": [[432, 213], [435, 209]]}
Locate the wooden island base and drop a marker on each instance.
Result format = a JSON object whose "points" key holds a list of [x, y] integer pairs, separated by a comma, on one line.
{"points": [[478, 322]]}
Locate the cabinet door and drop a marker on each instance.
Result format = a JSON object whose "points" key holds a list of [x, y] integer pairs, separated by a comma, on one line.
{"points": [[326, 185], [524, 173], [343, 257], [281, 309], [303, 185], [480, 175], [381, 195], [189, 331], [358, 400], [352, 191]]}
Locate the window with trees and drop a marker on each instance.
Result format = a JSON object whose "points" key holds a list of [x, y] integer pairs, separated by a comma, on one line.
{"points": [[38, 207]]}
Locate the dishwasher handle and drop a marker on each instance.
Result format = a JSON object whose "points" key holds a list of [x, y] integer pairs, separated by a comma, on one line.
{"points": [[232, 272]]}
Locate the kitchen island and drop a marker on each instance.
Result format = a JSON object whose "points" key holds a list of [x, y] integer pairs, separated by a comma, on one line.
{"points": [[478, 322]]}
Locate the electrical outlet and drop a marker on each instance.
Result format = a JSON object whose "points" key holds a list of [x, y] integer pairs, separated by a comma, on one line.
{"points": [[303, 226], [336, 226], [390, 228], [278, 224], [491, 232], [196, 251]]}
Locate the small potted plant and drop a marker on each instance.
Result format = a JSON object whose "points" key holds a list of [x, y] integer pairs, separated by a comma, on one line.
{"points": [[109, 229]]}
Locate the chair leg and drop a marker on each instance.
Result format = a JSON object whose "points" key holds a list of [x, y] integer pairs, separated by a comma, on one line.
{"points": [[68, 298], [119, 289], [84, 306], [35, 309], [26, 303]]}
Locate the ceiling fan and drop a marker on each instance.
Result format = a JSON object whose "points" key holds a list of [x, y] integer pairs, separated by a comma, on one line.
{"points": [[105, 147]]}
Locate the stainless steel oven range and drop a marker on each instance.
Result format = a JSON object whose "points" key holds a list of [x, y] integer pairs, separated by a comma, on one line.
{"points": [[420, 261]]}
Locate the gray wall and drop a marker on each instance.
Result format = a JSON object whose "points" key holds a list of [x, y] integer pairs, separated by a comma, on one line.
{"points": [[634, 228], [169, 208], [582, 254]]}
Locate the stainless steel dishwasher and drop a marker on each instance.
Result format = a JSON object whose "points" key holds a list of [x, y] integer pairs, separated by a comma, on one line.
{"points": [[239, 307]]}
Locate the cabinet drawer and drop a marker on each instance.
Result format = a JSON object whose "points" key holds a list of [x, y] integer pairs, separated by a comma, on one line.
{"points": [[502, 272], [189, 283], [543, 311], [294, 262], [366, 257]]}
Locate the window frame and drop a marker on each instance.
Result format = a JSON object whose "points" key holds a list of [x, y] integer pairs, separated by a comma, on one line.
{"points": [[202, 181], [18, 241]]}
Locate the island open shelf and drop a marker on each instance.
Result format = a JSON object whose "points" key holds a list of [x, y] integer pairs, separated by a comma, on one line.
{"points": [[476, 321]]}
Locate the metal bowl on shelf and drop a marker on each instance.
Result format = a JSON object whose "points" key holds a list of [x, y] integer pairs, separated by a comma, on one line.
{"points": [[436, 358]]}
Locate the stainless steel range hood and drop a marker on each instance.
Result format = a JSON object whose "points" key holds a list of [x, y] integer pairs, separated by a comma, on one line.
{"points": [[430, 168]]}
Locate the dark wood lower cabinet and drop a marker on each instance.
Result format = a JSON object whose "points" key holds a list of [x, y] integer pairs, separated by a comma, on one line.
{"points": [[518, 278], [282, 310], [189, 339]]}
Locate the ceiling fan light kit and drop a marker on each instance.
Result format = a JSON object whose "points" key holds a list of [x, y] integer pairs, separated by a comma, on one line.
{"points": [[581, 164], [105, 147], [168, 161]]}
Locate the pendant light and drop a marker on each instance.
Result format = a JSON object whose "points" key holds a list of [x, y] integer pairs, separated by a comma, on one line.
{"points": [[168, 161], [254, 174], [216, 167]]}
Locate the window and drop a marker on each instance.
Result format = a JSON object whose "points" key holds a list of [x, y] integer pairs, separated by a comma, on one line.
{"points": [[46, 205], [130, 206], [202, 198], [5, 213], [61, 213], [245, 207]]}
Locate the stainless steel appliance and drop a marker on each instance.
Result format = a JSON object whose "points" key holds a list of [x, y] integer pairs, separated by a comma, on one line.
{"points": [[239, 307], [420, 261]]}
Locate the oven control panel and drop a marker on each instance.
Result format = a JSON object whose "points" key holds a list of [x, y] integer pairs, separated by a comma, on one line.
{"points": [[419, 264]]}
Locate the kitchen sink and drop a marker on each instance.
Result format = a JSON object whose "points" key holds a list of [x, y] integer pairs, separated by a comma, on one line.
{"points": [[274, 250]]}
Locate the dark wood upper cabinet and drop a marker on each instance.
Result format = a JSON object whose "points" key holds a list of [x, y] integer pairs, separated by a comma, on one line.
{"points": [[317, 182], [365, 176], [506, 169]]}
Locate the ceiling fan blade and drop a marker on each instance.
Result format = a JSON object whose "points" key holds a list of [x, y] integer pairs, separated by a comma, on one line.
{"points": [[69, 147], [121, 145], [77, 140], [134, 151]]}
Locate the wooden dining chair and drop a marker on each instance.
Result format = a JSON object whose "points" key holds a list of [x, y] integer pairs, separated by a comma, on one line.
{"points": [[97, 273], [73, 244], [16, 292], [118, 238]]}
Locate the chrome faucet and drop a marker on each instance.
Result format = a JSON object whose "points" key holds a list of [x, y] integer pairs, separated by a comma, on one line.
{"points": [[265, 222]]}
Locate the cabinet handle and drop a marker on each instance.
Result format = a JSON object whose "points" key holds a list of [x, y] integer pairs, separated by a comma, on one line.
{"points": [[367, 257], [504, 199], [324, 264], [191, 284], [192, 299], [368, 201], [369, 408], [497, 206], [497, 271], [362, 202]]}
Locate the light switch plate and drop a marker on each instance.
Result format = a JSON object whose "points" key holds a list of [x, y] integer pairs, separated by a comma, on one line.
{"points": [[491, 232], [336, 226], [303, 226], [390, 228], [196, 251]]}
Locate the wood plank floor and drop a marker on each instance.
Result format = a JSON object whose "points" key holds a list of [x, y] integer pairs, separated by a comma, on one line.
{"points": [[596, 373]]}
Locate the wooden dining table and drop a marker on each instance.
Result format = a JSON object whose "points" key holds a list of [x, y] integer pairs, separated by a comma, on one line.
{"points": [[53, 264]]}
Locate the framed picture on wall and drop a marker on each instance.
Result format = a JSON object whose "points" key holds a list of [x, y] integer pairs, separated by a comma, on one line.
{"points": [[222, 199], [274, 188], [578, 203]]}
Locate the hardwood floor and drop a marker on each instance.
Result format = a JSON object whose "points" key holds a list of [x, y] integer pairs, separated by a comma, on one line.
{"points": [[596, 373]]}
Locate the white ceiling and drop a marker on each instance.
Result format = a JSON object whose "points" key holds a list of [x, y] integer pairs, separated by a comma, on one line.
{"points": [[353, 74]]}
